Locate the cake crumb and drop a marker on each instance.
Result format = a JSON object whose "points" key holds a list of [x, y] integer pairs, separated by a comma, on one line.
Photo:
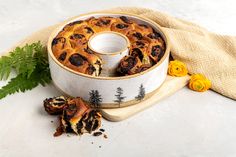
{"points": [[102, 130], [97, 133], [105, 136]]}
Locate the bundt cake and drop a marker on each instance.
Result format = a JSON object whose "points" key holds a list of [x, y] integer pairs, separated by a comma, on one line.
{"points": [[70, 46]]}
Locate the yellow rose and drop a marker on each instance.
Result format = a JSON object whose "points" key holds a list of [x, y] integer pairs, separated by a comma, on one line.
{"points": [[199, 83], [177, 68]]}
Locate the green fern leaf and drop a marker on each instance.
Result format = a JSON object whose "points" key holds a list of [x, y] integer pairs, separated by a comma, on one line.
{"points": [[31, 65], [21, 59], [21, 83], [5, 67]]}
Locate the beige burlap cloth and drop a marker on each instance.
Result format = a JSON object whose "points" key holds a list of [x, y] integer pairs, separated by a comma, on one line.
{"points": [[204, 52]]}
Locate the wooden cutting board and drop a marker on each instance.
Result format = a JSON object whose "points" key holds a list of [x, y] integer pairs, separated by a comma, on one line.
{"points": [[170, 86]]}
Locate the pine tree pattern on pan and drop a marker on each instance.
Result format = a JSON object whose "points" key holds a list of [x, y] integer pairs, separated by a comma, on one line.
{"points": [[141, 94], [95, 98], [119, 96]]}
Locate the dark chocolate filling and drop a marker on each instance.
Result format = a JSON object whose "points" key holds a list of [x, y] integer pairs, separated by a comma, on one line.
{"points": [[140, 44], [103, 22], [137, 52], [157, 52], [60, 99], [76, 36], [69, 111], [138, 35], [80, 125], [95, 125], [68, 127], [125, 19], [154, 35], [62, 57], [77, 60], [54, 105], [57, 40], [90, 69], [75, 22], [121, 26], [127, 64], [89, 30]]}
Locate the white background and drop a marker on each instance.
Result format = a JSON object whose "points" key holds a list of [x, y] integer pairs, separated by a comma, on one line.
{"points": [[187, 124]]}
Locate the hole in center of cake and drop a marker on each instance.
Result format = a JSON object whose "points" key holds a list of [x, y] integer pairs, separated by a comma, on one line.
{"points": [[108, 43]]}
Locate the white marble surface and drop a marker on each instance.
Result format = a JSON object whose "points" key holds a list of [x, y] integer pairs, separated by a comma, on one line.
{"points": [[187, 124]]}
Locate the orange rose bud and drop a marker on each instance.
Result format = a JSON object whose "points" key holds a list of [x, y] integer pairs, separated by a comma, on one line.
{"points": [[199, 83], [177, 68]]}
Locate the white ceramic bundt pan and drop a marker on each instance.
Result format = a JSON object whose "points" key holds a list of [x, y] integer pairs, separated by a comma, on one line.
{"points": [[78, 84]]}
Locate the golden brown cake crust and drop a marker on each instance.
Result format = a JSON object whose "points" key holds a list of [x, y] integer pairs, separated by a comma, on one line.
{"points": [[70, 46]]}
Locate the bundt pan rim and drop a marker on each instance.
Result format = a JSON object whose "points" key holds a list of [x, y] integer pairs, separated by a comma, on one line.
{"points": [[157, 26]]}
